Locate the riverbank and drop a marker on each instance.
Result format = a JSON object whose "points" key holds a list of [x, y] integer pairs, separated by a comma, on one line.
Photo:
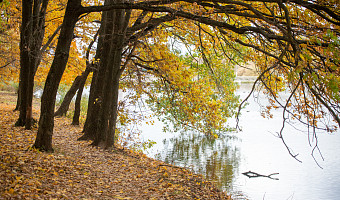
{"points": [[78, 171]]}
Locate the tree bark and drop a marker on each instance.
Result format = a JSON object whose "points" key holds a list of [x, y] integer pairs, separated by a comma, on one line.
{"points": [[88, 134], [94, 68], [103, 101], [38, 33], [17, 107], [75, 120], [32, 35], [98, 79], [26, 31], [62, 110], [105, 133], [78, 83], [46, 122], [102, 78]]}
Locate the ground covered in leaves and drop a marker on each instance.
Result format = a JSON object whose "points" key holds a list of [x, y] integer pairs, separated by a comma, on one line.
{"points": [[78, 171]]}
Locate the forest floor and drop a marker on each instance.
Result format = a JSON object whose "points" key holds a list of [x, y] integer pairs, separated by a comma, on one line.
{"points": [[77, 170]]}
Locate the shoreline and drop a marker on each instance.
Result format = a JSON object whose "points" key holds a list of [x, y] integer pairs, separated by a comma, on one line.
{"points": [[77, 170]]}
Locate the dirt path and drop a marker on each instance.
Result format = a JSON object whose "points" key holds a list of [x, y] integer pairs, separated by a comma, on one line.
{"points": [[78, 171]]}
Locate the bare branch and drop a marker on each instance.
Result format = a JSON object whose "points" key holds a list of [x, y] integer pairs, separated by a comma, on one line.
{"points": [[5, 65]]}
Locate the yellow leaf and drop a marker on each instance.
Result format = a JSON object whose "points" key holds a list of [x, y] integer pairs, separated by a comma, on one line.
{"points": [[119, 197], [11, 191]]}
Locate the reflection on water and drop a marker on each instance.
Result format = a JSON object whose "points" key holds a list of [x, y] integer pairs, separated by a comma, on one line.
{"points": [[216, 159], [256, 149]]}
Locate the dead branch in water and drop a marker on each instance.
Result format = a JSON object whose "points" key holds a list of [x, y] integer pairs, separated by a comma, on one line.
{"points": [[251, 174]]}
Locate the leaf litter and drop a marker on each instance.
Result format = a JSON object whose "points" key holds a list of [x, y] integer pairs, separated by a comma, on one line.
{"points": [[77, 170]]}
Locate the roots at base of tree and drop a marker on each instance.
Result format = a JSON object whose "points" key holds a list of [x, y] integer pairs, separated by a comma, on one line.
{"points": [[43, 148], [102, 144], [21, 122], [75, 123], [34, 122], [59, 115], [85, 137], [95, 144]]}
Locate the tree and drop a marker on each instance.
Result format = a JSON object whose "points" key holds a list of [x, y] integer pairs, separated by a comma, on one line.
{"points": [[114, 30], [77, 85], [195, 91], [285, 46], [31, 39], [9, 40], [31, 52], [41, 18], [44, 136], [103, 102]]}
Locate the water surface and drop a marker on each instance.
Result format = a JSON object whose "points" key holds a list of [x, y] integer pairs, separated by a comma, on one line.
{"points": [[256, 148]]}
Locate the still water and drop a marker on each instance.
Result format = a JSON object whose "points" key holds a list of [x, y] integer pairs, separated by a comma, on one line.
{"points": [[256, 148]]}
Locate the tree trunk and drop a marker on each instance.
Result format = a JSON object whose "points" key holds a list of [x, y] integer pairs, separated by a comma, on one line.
{"points": [[105, 133], [110, 137], [25, 33], [77, 104], [89, 68], [38, 33], [103, 77], [90, 115], [88, 134], [78, 83], [94, 68], [98, 79], [29, 118], [62, 110], [17, 107], [32, 35], [46, 122]]}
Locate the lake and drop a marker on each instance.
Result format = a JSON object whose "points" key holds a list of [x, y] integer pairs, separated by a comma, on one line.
{"points": [[256, 148]]}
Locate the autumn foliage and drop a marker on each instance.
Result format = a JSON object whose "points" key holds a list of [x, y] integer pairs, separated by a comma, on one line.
{"points": [[294, 45], [77, 170]]}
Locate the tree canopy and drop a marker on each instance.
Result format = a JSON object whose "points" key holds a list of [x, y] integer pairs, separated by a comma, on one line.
{"points": [[294, 44]]}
